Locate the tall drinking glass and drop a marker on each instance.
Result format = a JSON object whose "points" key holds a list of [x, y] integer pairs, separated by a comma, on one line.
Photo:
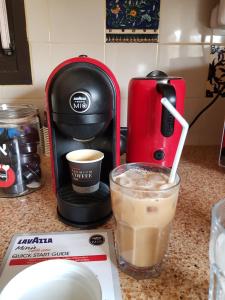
{"points": [[217, 252], [144, 205]]}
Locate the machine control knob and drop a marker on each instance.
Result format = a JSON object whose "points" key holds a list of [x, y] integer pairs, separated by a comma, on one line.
{"points": [[159, 154]]}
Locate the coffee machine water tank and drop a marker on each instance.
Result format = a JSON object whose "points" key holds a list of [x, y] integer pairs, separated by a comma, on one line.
{"points": [[83, 111], [153, 133]]}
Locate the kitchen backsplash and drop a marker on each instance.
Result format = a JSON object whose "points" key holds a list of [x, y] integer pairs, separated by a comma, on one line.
{"points": [[58, 30]]}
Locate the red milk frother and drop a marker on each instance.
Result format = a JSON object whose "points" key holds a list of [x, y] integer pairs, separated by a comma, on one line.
{"points": [[153, 133]]}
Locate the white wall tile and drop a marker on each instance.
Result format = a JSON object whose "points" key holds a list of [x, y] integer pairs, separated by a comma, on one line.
{"points": [[123, 112], [37, 19], [130, 60], [185, 21], [218, 36], [14, 92], [1, 91], [40, 67], [208, 128], [188, 61], [77, 21], [61, 52]]}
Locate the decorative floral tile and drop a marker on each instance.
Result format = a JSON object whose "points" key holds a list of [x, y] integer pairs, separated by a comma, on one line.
{"points": [[132, 21], [216, 76]]}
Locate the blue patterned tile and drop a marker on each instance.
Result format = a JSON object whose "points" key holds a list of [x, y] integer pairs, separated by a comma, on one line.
{"points": [[132, 20]]}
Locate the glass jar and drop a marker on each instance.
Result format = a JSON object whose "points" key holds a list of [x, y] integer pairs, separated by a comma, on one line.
{"points": [[20, 162]]}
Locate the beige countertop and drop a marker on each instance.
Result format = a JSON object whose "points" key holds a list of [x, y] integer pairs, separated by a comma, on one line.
{"points": [[186, 270]]}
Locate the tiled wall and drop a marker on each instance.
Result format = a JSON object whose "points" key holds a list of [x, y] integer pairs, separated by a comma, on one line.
{"points": [[62, 29]]}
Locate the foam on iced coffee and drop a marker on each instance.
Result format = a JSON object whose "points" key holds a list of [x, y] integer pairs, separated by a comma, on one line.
{"points": [[143, 179], [144, 206]]}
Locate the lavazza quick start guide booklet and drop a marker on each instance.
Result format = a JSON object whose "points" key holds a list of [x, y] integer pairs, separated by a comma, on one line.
{"points": [[94, 248]]}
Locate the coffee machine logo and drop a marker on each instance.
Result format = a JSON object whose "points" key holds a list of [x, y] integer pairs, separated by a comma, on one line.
{"points": [[80, 101]]}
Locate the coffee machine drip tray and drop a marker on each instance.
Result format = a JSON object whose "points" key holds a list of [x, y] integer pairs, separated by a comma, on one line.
{"points": [[84, 210]]}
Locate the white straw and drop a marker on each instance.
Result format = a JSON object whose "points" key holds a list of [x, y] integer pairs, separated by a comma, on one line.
{"points": [[185, 127]]}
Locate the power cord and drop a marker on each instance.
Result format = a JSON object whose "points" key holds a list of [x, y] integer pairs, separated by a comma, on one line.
{"points": [[207, 106]]}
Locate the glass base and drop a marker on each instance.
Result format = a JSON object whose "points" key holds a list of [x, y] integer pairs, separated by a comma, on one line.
{"points": [[217, 284], [140, 272]]}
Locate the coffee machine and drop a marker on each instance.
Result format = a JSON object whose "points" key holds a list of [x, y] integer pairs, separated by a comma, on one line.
{"points": [[153, 133], [83, 111]]}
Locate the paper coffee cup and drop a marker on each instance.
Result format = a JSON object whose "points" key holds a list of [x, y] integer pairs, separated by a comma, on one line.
{"points": [[85, 168]]}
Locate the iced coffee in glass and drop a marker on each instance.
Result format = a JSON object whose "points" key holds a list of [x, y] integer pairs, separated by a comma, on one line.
{"points": [[144, 205]]}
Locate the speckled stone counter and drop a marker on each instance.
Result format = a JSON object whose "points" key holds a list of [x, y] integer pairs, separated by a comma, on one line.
{"points": [[186, 269]]}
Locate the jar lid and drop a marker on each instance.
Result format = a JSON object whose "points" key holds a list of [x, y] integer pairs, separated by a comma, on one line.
{"points": [[16, 113]]}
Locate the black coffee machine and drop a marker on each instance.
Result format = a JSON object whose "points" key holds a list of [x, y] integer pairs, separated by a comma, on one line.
{"points": [[83, 109]]}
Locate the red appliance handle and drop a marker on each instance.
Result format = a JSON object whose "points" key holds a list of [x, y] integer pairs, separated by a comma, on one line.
{"points": [[167, 120]]}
